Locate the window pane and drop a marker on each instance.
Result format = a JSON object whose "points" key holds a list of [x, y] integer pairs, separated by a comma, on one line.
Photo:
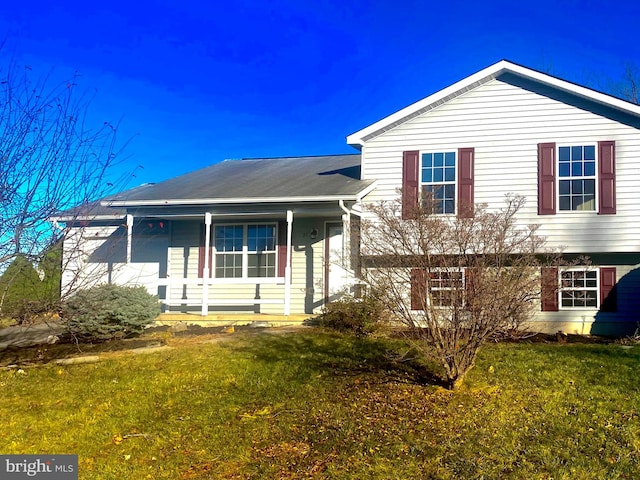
{"points": [[450, 159], [576, 169], [564, 154], [564, 169], [261, 238], [438, 159], [450, 174], [590, 152], [228, 265], [450, 191], [576, 186], [590, 187], [589, 169], [426, 160], [565, 203], [261, 265], [576, 153], [449, 207], [437, 175], [427, 175], [228, 238], [564, 187]]}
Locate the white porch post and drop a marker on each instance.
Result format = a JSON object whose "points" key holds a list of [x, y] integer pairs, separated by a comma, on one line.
{"points": [[205, 269], [129, 236], [287, 269]]}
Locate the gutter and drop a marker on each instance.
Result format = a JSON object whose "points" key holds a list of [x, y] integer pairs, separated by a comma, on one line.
{"points": [[227, 201]]}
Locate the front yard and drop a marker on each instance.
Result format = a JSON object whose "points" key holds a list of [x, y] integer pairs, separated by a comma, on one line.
{"points": [[321, 405]]}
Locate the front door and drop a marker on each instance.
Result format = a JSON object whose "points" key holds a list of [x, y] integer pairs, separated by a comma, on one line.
{"points": [[335, 272]]}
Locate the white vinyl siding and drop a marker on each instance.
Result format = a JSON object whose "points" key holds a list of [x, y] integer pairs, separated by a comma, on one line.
{"points": [[505, 124]]}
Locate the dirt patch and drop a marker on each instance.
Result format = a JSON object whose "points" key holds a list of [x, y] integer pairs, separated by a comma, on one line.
{"points": [[153, 337]]}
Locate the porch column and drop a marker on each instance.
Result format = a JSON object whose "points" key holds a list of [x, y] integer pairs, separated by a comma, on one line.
{"points": [[205, 269], [287, 269], [129, 236]]}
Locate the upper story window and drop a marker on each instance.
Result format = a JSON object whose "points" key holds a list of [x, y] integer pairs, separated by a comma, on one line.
{"points": [[244, 251], [438, 179], [577, 177]]}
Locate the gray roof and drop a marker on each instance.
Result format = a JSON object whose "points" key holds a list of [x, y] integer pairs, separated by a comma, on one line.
{"points": [[257, 179]]}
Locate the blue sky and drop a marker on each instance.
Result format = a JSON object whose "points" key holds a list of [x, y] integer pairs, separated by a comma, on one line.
{"points": [[194, 82]]}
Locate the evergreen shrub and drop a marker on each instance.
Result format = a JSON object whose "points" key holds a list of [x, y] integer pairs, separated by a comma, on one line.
{"points": [[107, 312]]}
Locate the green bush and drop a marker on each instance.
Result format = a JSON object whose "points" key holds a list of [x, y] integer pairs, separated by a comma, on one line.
{"points": [[107, 312], [361, 316]]}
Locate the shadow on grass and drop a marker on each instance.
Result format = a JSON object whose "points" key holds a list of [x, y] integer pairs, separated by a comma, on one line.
{"points": [[343, 355]]}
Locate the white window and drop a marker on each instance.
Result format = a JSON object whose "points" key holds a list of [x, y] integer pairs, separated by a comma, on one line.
{"points": [[438, 180], [579, 288], [577, 177], [244, 251], [446, 287]]}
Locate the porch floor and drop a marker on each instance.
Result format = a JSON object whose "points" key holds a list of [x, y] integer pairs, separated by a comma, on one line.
{"points": [[223, 319]]}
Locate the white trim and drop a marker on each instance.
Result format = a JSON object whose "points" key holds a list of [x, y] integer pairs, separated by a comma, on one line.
{"points": [[79, 218], [129, 236], [205, 267], [432, 101], [287, 268], [225, 201]]}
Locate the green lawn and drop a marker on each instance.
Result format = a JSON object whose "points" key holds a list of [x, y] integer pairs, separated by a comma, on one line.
{"points": [[322, 405]]}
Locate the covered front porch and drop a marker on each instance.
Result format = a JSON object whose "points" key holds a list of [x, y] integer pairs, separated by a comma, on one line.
{"points": [[237, 265]]}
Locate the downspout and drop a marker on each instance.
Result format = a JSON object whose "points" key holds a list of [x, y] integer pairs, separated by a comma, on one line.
{"points": [[346, 236]]}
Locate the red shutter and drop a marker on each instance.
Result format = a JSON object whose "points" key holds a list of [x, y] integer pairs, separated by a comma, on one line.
{"points": [[607, 177], [546, 179], [282, 248], [549, 289], [410, 184], [418, 288], [608, 294], [465, 182]]}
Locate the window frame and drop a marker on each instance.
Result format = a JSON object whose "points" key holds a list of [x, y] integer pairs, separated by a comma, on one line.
{"points": [[595, 177], [562, 288], [422, 184], [450, 288], [244, 253]]}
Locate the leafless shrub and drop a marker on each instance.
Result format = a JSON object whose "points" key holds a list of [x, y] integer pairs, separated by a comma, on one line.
{"points": [[456, 283]]}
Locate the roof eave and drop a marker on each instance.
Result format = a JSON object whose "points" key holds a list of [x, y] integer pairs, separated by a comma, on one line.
{"points": [[229, 201], [82, 218]]}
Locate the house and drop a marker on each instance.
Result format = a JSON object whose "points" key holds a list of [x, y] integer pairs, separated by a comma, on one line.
{"points": [[279, 236], [253, 236]]}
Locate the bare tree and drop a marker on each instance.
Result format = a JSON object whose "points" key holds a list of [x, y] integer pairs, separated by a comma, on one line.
{"points": [[455, 283], [51, 159], [630, 87]]}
